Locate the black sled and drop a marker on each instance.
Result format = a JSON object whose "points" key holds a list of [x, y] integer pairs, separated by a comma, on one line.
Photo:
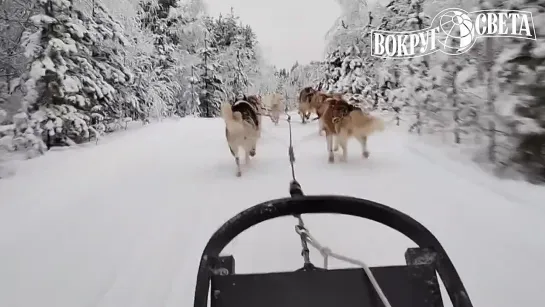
{"points": [[412, 285]]}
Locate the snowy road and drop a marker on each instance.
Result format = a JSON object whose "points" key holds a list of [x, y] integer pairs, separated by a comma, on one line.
{"points": [[123, 224]]}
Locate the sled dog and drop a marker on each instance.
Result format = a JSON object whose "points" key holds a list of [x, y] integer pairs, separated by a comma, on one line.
{"points": [[310, 100], [305, 97], [242, 129], [341, 121], [276, 106], [318, 105]]}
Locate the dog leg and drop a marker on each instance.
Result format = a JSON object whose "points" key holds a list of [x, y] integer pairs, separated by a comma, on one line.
{"points": [[343, 141], [232, 151], [252, 150], [329, 140], [363, 141], [320, 127], [336, 143], [247, 156], [228, 144], [237, 161]]}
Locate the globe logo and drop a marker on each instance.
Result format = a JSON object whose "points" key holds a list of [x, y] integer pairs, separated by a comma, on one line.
{"points": [[458, 31], [452, 31]]}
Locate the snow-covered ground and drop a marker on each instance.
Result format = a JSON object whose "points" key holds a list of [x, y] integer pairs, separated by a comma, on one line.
{"points": [[123, 223]]}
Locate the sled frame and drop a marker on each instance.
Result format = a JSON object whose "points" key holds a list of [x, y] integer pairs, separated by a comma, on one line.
{"points": [[429, 254], [412, 285]]}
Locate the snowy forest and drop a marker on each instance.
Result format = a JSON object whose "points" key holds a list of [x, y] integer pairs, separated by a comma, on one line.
{"points": [[74, 70], [490, 99]]}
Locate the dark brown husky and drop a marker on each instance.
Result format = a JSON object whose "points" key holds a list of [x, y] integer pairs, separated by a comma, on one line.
{"points": [[305, 97]]}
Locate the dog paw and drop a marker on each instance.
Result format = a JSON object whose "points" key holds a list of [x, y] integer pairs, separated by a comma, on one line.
{"points": [[366, 154], [252, 152], [331, 159], [343, 159], [239, 173]]}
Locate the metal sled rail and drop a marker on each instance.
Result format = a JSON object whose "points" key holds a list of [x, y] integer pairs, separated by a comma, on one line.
{"points": [[327, 204]]}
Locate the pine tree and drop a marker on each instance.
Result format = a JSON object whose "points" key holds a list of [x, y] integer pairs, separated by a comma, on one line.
{"points": [[240, 80], [191, 95], [75, 73], [521, 92], [237, 58], [212, 87], [333, 72], [163, 19], [415, 84]]}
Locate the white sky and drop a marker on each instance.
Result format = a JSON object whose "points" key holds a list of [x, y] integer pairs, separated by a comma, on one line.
{"points": [[288, 30]]}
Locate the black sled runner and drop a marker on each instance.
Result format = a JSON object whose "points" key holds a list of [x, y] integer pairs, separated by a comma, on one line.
{"points": [[411, 285]]}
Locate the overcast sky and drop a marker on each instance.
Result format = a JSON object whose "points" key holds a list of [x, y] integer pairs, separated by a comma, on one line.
{"points": [[288, 30]]}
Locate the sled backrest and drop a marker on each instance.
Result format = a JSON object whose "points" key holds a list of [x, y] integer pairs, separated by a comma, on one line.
{"points": [[413, 285]]}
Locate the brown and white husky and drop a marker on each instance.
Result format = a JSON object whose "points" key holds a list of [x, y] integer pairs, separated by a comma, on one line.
{"points": [[341, 121]]}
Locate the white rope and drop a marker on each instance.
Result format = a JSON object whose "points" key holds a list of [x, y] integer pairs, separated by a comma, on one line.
{"points": [[326, 252]]}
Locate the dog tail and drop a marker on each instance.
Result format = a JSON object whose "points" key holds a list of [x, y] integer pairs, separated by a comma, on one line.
{"points": [[377, 124], [233, 120], [227, 112], [366, 124]]}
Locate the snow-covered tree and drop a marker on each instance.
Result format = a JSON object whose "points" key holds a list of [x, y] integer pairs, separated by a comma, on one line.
{"points": [[191, 95], [14, 21], [264, 80], [347, 29], [211, 82], [164, 19], [84, 68], [520, 95], [75, 73], [236, 45]]}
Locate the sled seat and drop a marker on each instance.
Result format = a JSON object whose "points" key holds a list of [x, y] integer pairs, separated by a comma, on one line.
{"points": [[412, 285]]}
